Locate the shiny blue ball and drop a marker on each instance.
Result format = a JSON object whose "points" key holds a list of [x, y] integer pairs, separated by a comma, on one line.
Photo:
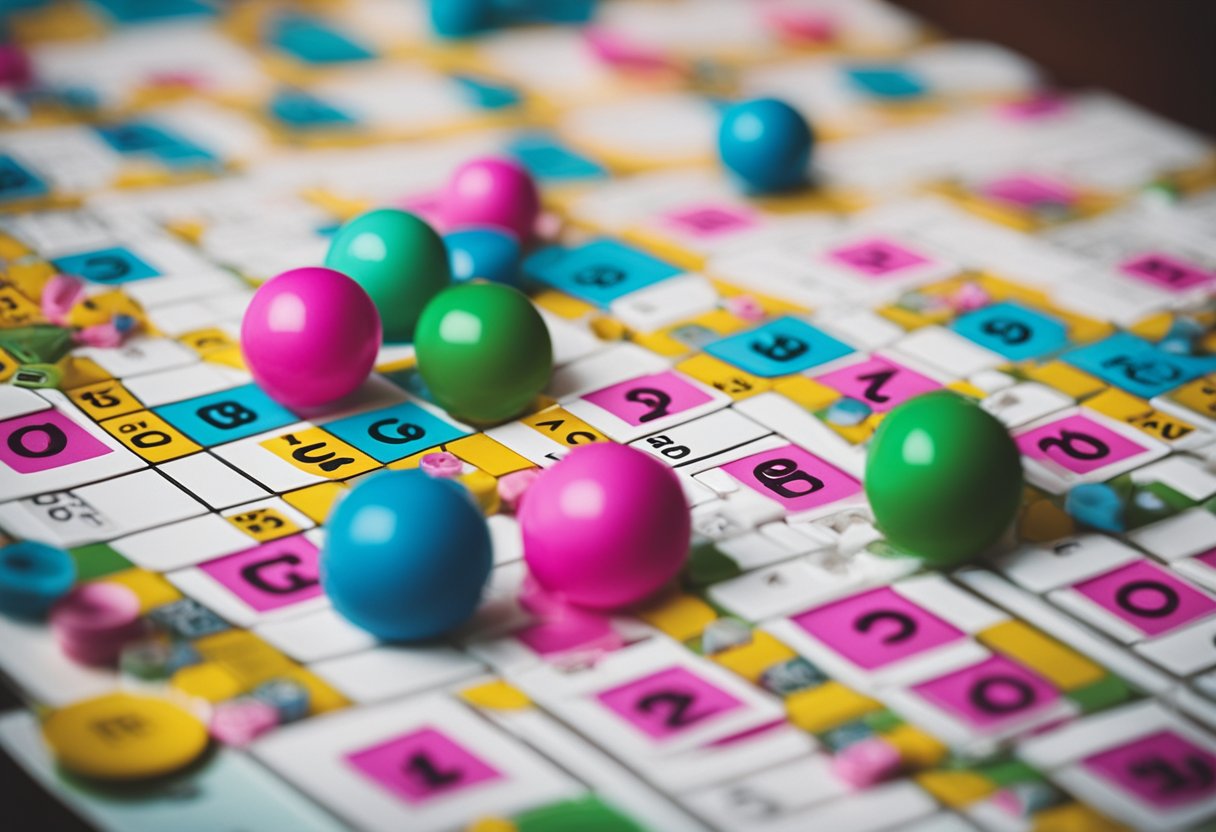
{"points": [[767, 144], [487, 253], [406, 556]]}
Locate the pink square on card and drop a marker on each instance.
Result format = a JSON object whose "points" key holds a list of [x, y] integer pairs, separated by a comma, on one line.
{"points": [[1165, 271], [1029, 191], [422, 765], [876, 628], [711, 221], [798, 480], [1208, 557], [649, 398], [271, 576], [45, 440], [669, 702], [1078, 444], [1147, 597], [1164, 770], [876, 257], [991, 693], [880, 383]]}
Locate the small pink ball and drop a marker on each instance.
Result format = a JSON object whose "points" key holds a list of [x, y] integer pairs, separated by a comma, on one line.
{"points": [[492, 191], [310, 336], [606, 527]]}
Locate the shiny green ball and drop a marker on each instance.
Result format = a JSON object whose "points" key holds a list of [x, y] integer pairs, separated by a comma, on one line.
{"points": [[943, 477], [398, 259], [484, 351]]}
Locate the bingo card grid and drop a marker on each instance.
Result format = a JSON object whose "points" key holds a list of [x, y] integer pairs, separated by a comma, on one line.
{"points": [[1051, 256]]}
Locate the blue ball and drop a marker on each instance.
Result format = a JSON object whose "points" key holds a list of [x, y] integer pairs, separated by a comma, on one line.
{"points": [[483, 252], [32, 577], [766, 143], [406, 556]]}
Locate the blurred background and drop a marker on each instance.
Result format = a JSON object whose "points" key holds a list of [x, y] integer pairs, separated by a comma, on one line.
{"points": [[1160, 54]]}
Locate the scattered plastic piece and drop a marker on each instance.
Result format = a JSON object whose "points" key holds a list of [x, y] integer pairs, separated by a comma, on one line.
{"points": [[441, 464], [1097, 506]]}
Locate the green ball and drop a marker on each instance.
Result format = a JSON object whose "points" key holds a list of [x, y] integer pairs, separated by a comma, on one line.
{"points": [[943, 477], [484, 351], [398, 259]]}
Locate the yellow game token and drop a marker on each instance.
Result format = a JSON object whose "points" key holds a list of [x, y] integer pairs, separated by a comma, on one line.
{"points": [[124, 737]]}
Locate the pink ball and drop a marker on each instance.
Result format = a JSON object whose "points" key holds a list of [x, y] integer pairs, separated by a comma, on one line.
{"points": [[310, 336], [606, 527], [492, 191]]}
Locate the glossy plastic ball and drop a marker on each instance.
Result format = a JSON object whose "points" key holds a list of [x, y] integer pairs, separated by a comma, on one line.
{"points": [[485, 253], [606, 527], [767, 144], [943, 477], [483, 351], [399, 259], [492, 191], [406, 556], [310, 336]]}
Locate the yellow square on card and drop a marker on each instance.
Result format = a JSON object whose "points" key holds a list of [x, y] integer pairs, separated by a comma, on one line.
{"points": [[104, 400], [207, 341], [808, 394], [563, 427], [17, 310], [315, 501], [827, 706], [956, 788], [1067, 379], [722, 376], [1060, 665], [498, 695], [316, 452], [263, 524], [492, 457], [209, 681], [751, 660], [151, 589], [1198, 396], [8, 365], [248, 658], [150, 436], [678, 615], [1075, 817]]}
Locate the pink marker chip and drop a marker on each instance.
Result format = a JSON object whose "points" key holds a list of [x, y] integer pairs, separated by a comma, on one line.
{"points": [[94, 621]]}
